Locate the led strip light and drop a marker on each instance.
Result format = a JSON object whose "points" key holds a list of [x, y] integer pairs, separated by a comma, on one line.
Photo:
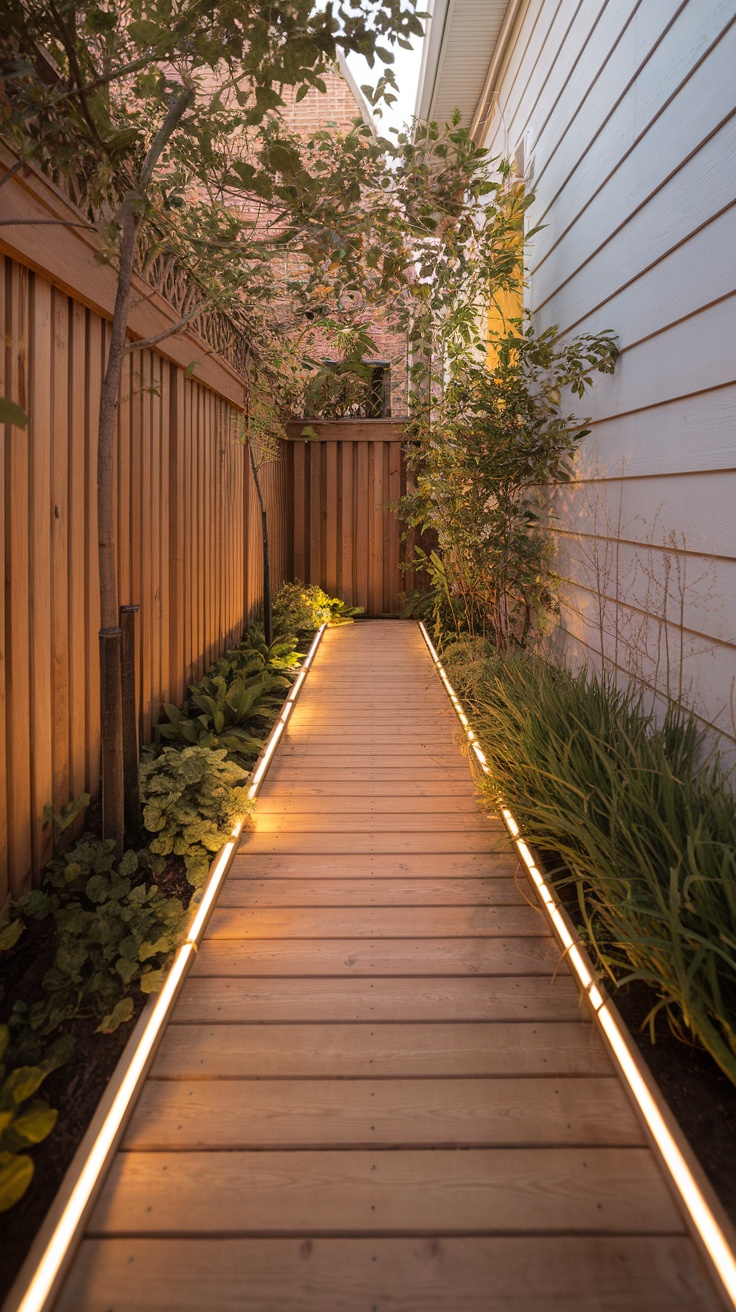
{"points": [[705, 1223], [50, 1267]]}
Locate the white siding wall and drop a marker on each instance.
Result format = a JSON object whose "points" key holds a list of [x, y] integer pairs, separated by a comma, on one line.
{"points": [[628, 112]]}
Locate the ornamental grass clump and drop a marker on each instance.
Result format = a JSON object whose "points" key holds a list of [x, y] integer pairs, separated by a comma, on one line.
{"points": [[639, 814], [192, 799]]}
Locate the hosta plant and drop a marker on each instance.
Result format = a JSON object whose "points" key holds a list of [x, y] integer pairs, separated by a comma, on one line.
{"points": [[191, 801]]}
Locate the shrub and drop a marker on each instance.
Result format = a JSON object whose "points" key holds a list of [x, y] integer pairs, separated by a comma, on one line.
{"points": [[191, 801], [304, 607], [639, 815], [115, 929]]}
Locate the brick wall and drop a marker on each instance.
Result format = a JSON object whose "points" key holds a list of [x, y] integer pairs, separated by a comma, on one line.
{"points": [[338, 106]]}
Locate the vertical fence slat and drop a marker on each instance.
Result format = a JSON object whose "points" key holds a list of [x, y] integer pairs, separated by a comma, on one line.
{"points": [[5, 432], [60, 439], [95, 366], [17, 603], [40, 461]]}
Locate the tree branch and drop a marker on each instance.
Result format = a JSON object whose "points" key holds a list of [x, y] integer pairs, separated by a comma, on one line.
{"points": [[167, 332]]}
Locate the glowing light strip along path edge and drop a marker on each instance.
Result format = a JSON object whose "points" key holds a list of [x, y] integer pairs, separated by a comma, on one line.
{"points": [[705, 1223], [46, 1279]]}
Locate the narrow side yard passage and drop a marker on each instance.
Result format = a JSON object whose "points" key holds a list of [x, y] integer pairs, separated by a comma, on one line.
{"points": [[376, 1095]]}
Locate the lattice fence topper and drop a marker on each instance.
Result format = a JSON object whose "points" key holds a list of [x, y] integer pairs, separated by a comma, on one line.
{"points": [[166, 275]]}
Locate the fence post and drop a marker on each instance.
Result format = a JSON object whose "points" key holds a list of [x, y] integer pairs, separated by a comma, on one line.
{"points": [[131, 777], [113, 820]]}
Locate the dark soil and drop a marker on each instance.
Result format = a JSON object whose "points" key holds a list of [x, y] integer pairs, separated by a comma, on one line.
{"points": [[700, 1096], [74, 1089]]}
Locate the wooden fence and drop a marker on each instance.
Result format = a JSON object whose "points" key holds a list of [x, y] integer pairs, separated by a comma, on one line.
{"points": [[345, 534], [188, 529]]}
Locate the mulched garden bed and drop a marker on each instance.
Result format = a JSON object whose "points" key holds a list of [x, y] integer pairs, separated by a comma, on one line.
{"points": [[74, 1089], [700, 1096]]}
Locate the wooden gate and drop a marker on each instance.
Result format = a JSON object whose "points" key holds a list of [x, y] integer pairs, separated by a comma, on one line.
{"points": [[345, 534]]}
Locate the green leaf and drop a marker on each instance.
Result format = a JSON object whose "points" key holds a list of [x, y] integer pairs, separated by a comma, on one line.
{"points": [[129, 863], [23, 1082], [10, 934], [152, 981], [35, 1124], [16, 1173], [121, 1012], [10, 413]]}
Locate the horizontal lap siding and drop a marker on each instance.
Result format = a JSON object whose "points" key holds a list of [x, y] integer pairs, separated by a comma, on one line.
{"points": [[630, 140], [187, 538]]}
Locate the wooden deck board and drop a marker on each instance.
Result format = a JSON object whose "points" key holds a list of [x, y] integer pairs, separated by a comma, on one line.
{"points": [[377, 922], [246, 891], [510, 1274], [329, 1113], [380, 1091], [363, 1051], [389, 956], [413, 1191]]}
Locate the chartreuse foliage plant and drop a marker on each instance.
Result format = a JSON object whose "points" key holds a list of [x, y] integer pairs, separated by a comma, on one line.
{"points": [[305, 607], [639, 815], [192, 798]]}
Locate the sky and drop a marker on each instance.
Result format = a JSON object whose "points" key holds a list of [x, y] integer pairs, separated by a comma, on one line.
{"points": [[406, 67]]}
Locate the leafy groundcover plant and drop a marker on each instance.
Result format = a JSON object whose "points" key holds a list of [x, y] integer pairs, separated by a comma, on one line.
{"points": [[637, 813], [79, 954]]}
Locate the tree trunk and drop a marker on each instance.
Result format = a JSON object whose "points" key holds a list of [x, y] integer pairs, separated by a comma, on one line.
{"points": [[113, 824], [267, 606], [129, 218]]}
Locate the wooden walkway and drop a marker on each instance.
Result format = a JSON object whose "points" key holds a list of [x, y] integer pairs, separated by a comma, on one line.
{"points": [[374, 1096]]}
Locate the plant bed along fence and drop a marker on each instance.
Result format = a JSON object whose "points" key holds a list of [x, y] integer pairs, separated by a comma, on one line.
{"points": [[697, 1158], [84, 952]]}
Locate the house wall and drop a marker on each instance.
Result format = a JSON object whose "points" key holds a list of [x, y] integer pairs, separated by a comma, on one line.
{"points": [[624, 110]]}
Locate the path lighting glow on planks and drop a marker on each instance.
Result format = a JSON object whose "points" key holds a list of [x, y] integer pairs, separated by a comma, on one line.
{"points": [[264, 760], [703, 1219], [41, 1286]]}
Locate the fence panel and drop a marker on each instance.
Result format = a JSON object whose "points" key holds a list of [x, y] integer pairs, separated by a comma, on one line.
{"points": [[345, 535], [188, 543]]}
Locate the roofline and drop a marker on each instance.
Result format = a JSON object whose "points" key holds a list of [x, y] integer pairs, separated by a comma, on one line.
{"points": [[431, 51], [484, 109], [438, 24]]}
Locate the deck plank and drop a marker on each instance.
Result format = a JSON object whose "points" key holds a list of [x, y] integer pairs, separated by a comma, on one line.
{"points": [[242, 1114], [414, 1191], [385, 1050], [378, 922], [242, 890], [510, 1274], [389, 956]]}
